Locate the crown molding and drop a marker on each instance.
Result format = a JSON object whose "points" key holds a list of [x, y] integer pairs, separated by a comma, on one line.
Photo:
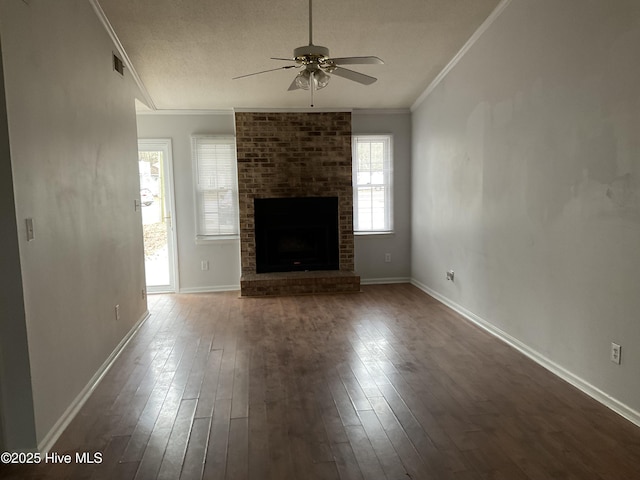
{"points": [[186, 112], [354, 111], [381, 111], [461, 53], [293, 110], [121, 51]]}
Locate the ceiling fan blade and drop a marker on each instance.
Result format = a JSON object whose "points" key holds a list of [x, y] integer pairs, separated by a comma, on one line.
{"points": [[355, 76], [285, 59], [356, 61], [265, 71]]}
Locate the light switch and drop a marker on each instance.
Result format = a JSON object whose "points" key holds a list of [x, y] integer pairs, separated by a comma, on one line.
{"points": [[30, 235]]}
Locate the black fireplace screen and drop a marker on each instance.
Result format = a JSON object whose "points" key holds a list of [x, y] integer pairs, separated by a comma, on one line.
{"points": [[296, 234]]}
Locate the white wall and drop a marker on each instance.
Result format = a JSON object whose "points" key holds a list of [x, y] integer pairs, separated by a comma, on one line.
{"points": [[72, 134], [526, 176], [371, 249], [223, 256]]}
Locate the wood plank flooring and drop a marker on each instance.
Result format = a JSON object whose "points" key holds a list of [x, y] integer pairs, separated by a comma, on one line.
{"points": [[387, 384]]}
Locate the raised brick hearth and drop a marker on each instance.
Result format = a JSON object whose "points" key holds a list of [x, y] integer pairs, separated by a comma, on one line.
{"points": [[298, 283], [295, 155]]}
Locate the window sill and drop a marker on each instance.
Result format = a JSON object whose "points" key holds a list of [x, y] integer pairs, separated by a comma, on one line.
{"points": [[216, 239], [374, 234]]}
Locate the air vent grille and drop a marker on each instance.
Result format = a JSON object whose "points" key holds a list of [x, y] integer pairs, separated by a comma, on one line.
{"points": [[118, 64]]}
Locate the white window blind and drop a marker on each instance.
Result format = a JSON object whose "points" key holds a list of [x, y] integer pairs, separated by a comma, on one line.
{"points": [[372, 183], [216, 186]]}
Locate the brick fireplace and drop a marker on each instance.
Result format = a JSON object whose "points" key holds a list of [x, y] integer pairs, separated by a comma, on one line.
{"points": [[295, 155]]}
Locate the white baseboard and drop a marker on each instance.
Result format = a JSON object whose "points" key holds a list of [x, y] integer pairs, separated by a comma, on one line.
{"points": [[384, 281], [63, 422], [211, 289], [578, 382]]}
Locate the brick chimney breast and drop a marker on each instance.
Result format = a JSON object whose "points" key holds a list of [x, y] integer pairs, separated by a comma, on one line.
{"points": [[294, 155]]}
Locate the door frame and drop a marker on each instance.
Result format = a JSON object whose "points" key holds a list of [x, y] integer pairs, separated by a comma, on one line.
{"points": [[165, 145]]}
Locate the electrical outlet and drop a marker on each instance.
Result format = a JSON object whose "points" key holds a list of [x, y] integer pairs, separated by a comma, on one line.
{"points": [[144, 294], [387, 258], [450, 275], [117, 312], [204, 265], [616, 353]]}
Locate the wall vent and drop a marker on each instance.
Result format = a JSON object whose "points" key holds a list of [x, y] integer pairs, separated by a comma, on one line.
{"points": [[118, 64]]}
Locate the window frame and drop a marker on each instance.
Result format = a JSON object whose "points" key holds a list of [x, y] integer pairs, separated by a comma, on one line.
{"points": [[387, 183], [200, 228]]}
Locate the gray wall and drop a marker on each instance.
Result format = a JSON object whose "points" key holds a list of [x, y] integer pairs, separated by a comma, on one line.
{"points": [[224, 256], [72, 134], [17, 428], [526, 176], [371, 249]]}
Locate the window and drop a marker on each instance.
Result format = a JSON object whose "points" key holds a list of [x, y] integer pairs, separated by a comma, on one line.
{"points": [[372, 183], [216, 186]]}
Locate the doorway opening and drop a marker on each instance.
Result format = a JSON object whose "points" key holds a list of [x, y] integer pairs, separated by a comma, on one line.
{"points": [[157, 206]]}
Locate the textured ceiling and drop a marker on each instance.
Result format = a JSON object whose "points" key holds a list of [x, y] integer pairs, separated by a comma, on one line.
{"points": [[187, 51]]}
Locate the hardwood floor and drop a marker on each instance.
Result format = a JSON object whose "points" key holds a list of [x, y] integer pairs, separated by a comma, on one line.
{"points": [[384, 384]]}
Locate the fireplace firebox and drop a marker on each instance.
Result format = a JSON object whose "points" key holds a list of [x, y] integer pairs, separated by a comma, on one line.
{"points": [[296, 234]]}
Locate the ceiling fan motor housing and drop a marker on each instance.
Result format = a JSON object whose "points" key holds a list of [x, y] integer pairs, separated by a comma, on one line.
{"points": [[311, 54], [316, 64]]}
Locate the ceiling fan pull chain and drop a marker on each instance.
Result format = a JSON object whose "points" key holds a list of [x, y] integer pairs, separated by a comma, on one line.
{"points": [[311, 84], [317, 64]]}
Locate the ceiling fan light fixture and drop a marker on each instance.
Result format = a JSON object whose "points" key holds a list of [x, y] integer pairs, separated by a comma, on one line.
{"points": [[317, 65], [320, 79], [302, 80]]}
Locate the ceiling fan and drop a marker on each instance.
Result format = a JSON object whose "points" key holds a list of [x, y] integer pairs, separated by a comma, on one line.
{"points": [[316, 64]]}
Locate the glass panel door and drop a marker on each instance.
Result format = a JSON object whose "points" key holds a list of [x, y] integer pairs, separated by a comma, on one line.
{"points": [[156, 199]]}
